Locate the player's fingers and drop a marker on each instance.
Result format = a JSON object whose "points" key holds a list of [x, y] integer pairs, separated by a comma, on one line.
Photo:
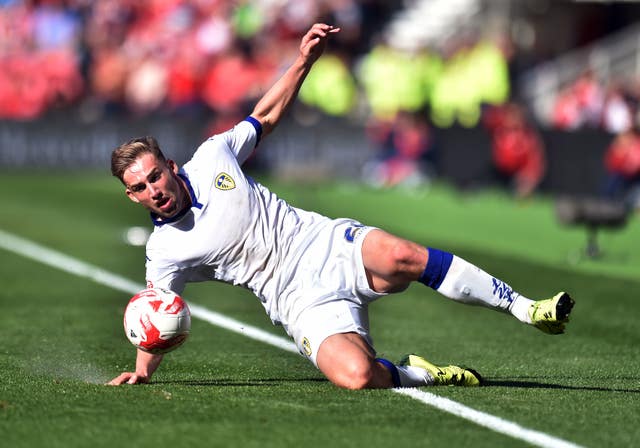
{"points": [[323, 27], [120, 379], [315, 35], [328, 29], [319, 28]]}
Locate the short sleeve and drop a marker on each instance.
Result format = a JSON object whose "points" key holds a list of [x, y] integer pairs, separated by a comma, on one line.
{"points": [[243, 138]]}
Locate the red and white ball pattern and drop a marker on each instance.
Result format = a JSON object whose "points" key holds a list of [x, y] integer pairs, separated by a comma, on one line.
{"points": [[157, 320]]}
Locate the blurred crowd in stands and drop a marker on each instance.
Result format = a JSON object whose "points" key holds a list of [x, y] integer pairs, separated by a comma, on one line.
{"points": [[218, 56], [178, 55], [157, 55], [589, 103]]}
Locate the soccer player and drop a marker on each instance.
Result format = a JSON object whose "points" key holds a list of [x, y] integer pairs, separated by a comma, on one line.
{"points": [[315, 276]]}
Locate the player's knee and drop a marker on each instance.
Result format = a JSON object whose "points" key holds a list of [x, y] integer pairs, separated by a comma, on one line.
{"points": [[404, 256], [354, 375]]}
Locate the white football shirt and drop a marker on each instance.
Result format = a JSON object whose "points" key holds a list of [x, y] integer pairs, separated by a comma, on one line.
{"points": [[239, 232]]}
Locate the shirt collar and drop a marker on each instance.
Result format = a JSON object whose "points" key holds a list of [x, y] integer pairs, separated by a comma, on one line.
{"points": [[157, 221]]}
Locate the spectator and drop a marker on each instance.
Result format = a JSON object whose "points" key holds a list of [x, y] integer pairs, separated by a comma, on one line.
{"points": [[584, 103], [405, 151], [55, 26], [107, 78], [39, 63], [617, 116], [474, 75], [395, 80], [517, 149], [60, 70], [23, 91], [622, 162], [589, 97], [566, 111], [330, 86], [146, 85], [183, 82], [234, 79]]}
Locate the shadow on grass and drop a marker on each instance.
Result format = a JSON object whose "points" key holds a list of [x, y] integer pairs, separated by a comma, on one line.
{"points": [[510, 383], [225, 382], [540, 385]]}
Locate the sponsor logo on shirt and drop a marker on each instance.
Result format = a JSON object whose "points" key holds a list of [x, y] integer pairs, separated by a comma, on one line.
{"points": [[225, 182]]}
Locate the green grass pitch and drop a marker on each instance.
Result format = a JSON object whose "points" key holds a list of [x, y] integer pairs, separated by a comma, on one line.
{"points": [[62, 335]]}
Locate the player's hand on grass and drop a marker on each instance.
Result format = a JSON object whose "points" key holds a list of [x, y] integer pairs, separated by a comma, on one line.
{"points": [[146, 364], [128, 378]]}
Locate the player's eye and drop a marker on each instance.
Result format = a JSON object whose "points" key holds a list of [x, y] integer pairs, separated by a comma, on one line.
{"points": [[137, 188], [154, 177]]}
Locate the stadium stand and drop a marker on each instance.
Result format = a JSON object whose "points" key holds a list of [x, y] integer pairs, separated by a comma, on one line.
{"points": [[111, 68]]}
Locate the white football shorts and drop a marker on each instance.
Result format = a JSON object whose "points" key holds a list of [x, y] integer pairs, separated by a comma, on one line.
{"points": [[347, 311]]}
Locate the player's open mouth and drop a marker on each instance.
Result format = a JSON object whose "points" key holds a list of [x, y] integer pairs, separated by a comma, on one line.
{"points": [[164, 204]]}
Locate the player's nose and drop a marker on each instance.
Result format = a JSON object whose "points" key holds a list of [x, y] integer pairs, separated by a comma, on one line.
{"points": [[154, 192]]}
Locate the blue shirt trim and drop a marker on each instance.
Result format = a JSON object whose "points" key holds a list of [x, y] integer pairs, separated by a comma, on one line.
{"points": [[194, 203], [257, 126]]}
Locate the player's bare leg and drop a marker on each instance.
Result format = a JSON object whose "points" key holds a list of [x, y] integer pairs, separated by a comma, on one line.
{"points": [[348, 361], [392, 263]]}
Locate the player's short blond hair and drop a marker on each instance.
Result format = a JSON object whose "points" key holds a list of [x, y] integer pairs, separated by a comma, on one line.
{"points": [[124, 155]]}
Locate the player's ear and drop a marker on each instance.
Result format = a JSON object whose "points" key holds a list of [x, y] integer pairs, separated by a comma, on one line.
{"points": [[173, 166], [131, 195]]}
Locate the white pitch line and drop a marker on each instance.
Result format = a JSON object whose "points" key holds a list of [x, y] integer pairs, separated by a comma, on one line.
{"points": [[240, 327], [63, 262], [80, 268], [492, 422]]}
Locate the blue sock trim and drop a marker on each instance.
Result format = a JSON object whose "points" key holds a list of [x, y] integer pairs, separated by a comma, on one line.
{"points": [[437, 267], [395, 376]]}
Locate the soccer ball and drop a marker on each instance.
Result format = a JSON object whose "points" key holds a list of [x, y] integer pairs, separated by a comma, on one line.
{"points": [[157, 320]]}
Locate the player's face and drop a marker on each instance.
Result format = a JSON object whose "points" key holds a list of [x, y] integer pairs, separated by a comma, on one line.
{"points": [[155, 185]]}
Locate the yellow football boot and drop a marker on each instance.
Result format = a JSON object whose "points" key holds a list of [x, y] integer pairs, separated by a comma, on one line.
{"points": [[551, 315], [444, 376]]}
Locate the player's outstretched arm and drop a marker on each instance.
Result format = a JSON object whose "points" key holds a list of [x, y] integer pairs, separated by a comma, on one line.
{"points": [[279, 97], [146, 364]]}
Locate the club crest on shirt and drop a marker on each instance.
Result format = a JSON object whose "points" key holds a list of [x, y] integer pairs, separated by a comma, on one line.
{"points": [[225, 182], [306, 346]]}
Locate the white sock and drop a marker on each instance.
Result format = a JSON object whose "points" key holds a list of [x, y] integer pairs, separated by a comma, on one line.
{"points": [[520, 309], [406, 376], [469, 284], [411, 376]]}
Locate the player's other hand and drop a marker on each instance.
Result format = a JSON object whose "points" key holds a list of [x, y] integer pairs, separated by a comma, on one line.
{"points": [[128, 378], [315, 41]]}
